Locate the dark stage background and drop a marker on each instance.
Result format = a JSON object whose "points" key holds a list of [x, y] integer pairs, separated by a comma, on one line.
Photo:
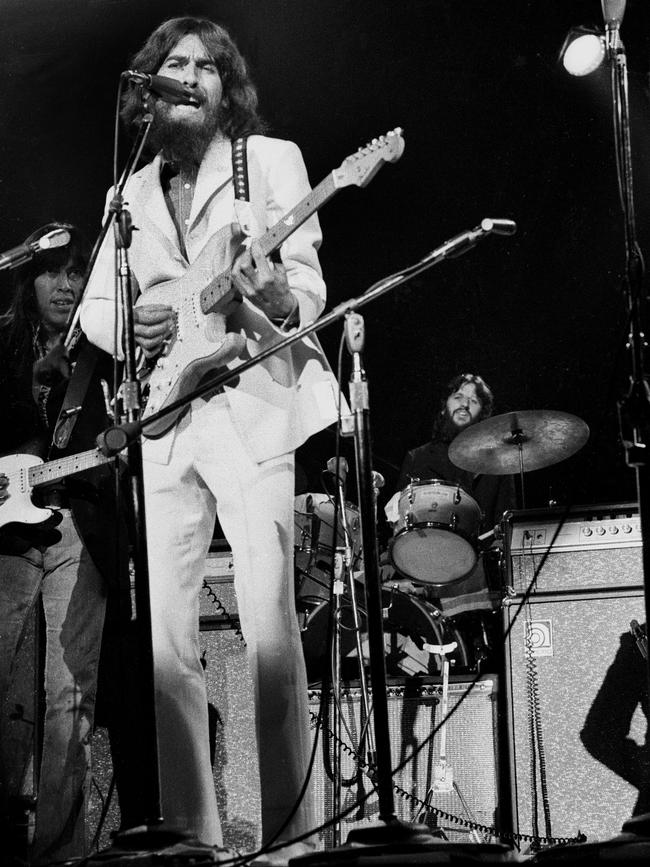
{"points": [[493, 127]]}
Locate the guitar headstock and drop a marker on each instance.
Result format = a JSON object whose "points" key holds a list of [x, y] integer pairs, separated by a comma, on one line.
{"points": [[361, 167]]}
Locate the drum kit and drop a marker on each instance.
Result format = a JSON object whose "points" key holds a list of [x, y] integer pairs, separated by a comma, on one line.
{"points": [[435, 545]]}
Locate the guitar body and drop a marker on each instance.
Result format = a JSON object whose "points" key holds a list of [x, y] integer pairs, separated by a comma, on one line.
{"points": [[19, 507], [200, 345]]}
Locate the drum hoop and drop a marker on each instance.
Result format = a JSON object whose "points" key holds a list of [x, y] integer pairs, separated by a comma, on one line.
{"points": [[440, 584], [436, 481], [436, 525]]}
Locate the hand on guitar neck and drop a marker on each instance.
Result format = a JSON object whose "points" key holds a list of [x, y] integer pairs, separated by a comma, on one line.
{"points": [[264, 283]]}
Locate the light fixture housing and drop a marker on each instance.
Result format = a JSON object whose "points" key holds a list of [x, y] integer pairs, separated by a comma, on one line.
{"points": [[583, 50]]}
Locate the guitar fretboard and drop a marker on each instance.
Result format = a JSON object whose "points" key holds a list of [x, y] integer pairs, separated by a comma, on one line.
{"points": [[51, 471], [274, 237]]}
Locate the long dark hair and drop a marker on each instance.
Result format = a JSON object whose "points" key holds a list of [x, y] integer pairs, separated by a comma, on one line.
{"points": [[483, 392], [238, 110], [21, 321]]}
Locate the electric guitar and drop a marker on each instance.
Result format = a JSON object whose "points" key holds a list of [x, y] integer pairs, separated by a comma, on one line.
{"points": [[25, 472], [200, 343]]}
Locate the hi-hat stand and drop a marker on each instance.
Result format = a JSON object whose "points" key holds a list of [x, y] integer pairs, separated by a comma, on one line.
{"points": [[389, 835]]}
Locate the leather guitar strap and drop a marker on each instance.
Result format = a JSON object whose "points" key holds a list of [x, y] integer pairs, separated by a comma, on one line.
{"points": [[75, 393]]}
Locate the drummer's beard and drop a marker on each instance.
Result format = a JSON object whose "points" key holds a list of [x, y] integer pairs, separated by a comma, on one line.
{"points": [[450, 428]]}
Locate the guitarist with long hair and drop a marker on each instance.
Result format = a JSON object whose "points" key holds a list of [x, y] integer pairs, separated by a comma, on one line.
{"points": [[231, 453], [61, 558]]}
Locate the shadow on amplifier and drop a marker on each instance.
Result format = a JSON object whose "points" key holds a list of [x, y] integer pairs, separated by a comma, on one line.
{"points": [[576, 683]]}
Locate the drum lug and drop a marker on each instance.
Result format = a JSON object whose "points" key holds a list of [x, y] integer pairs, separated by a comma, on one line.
{"points": [[457, 496], [453, 522], [409, 521]]}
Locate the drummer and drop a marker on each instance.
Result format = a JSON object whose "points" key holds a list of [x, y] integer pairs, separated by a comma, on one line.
{"points": [[467, 400]]}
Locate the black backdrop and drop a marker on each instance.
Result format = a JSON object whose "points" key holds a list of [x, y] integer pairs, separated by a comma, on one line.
{"points": [[493, 127]]}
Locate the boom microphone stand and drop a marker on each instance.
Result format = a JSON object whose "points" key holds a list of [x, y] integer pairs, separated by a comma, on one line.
{"points": [[390, 834]]}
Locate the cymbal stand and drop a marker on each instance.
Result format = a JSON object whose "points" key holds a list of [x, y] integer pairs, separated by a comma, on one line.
{"points": [[518, 438]]}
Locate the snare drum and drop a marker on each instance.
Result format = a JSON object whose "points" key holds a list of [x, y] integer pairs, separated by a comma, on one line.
{"points": [[436, 535]]}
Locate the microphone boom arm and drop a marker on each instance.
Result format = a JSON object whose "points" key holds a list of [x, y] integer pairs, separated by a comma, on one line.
{"points": [[455, 246]]}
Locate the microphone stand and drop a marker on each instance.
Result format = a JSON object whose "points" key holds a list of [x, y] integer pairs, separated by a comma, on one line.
{"points": [[120, 219], [132, 406], [344, 573], [634, 408], [390, 831]]}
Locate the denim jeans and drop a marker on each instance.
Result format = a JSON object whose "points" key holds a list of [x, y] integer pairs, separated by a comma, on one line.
{"points": [[59, 568]]}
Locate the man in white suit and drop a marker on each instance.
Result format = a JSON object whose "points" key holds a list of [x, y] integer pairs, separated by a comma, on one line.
{"points": [[231, 452]]}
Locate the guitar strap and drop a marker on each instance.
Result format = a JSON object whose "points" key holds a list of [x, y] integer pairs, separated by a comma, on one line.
{"points": [[243, 207], [240, 169], [75, 392]]}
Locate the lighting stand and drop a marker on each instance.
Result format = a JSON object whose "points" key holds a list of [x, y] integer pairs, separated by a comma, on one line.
{"points": [[634, 408]]}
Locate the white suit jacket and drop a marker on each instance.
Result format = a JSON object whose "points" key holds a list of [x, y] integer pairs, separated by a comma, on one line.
{"points": [[279, 403]]}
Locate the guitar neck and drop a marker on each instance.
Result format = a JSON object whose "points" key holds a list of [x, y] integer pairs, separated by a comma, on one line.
{"points": [[212, 294], [278, 234], [51, 471]]}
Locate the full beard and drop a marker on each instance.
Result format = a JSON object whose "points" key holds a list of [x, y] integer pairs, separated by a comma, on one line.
{"points": [[181, 141], [450, 428]]}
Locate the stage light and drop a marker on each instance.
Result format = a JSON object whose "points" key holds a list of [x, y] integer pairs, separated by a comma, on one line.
{"points": [[583, 50]]}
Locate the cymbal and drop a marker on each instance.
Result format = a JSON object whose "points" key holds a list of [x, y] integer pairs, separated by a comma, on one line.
{"points": [[492, 446]]}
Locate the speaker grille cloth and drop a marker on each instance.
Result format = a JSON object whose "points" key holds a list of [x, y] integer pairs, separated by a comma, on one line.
{"points": [[413, 711], [576, 641]]}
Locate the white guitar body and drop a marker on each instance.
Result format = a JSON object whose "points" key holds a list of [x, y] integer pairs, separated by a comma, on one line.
{"points": [[25, 472], [201, 343], [19, 506]]}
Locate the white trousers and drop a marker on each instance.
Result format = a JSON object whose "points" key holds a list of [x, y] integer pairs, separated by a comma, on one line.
{"points": [[211, 470]]}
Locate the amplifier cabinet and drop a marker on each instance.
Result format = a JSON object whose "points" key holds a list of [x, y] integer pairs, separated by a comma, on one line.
{"points": [[232, 724], [596, 548], [232, 717], [575, 681], [414, 710]]}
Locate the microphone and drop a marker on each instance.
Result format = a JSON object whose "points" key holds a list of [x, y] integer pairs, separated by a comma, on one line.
{"points": [[24, 252], [378, 481], [498, 226], [167, 89], [342, 473]]}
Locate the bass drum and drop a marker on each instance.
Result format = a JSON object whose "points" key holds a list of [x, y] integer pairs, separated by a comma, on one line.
{"points": [[409, 623]]}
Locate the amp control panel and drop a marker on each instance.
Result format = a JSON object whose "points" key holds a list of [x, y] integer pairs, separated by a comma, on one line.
{"points": [[595, 529]]}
